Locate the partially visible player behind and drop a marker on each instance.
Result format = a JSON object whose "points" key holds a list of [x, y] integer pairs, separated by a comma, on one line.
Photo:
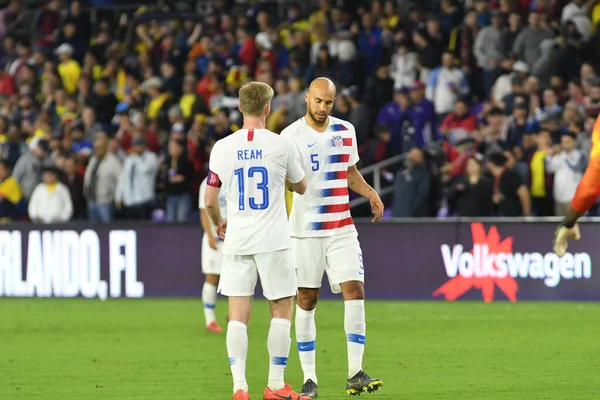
{"points": [[252, 166], [211, 259], [324, 238], [586, 196]]}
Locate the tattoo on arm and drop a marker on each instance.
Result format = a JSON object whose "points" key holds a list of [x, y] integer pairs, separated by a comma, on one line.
{"points": [[351, 183]]}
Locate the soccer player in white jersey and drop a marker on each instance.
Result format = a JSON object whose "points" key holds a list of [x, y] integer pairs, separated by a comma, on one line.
{"points": [[324, 238], [211, 259], [251, 166]]}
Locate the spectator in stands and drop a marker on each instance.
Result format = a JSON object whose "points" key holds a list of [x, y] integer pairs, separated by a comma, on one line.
{"points": [[492, 134], [540, 178], [46, 23], [527, 43], [396, 117], [90, 124], [584, 136], [50, 201], [73, 181], [68, 68], [369, 43], [511, 196], [379, 90], [517, 125], [423, 117], [459, 120], [411, 189], [178, 175], [575, 12], [10, 193], [445, 85], [70, 36], [471, 194], [28, 170], [404, 66], [488, 51], [359, 114], [100, 181], [79, 145], [510, 32], [135, 192], [104, 102], [377, 149], [567, 165], [463, 48]]}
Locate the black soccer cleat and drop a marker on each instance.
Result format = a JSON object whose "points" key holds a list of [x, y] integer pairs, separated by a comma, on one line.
{"points": [[309, 389], [361, 382]]}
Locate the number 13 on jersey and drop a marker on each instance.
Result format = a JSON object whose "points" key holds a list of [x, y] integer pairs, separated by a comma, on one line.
{"points": [[261, 175]]}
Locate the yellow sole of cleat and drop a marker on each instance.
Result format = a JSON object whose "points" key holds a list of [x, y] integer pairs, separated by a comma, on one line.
{"points": [[354, 392], [374, 386]]}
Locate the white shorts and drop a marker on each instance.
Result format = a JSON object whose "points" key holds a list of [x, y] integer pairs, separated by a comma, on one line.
{"points": [[211, 258], [339, 255], [275, 269]]}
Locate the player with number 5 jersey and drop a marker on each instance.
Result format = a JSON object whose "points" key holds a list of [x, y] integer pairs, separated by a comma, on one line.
{"points": [[251, 166], [324, 239]]}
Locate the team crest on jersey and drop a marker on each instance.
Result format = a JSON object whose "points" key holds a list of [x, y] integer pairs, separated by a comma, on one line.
{"points": [[338, 141]]}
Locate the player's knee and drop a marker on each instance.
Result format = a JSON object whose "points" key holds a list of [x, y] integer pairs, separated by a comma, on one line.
{"points": [[282, 308], [353, 290], [307, 299], [212, 279]]}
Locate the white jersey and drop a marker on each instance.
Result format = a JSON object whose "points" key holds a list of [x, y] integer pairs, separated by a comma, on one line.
{"points": [[324, 210], [222, 205], [252, 166]]}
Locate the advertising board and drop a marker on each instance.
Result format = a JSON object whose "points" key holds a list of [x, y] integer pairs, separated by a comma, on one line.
{"points": [[421, 261]]}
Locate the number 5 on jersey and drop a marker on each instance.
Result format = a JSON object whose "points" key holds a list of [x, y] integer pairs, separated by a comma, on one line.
{"points": [[315, 161], [262, 174]]}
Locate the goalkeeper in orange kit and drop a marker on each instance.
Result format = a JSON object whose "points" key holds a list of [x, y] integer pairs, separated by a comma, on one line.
{"points": [[586, 195]]}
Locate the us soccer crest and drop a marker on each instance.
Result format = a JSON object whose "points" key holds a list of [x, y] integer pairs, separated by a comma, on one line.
{"points": [[338, 141]]}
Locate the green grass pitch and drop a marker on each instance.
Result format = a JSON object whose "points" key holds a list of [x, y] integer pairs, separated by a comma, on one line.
{"points": [[157, 349]]}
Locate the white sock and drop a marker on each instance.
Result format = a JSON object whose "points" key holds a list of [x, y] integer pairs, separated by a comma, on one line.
{"points": [[237, 349], [209, 298], [355, 327], [278, 344], [306, 335]]}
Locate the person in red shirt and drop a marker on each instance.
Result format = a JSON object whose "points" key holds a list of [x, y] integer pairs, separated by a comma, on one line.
{"points": [[455, 127]]}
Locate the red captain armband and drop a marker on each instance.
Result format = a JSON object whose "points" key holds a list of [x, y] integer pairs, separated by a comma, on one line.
{"points": [[213, 179]]}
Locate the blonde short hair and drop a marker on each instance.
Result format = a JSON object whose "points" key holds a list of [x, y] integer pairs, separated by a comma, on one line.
{"points": [[254, 97]]}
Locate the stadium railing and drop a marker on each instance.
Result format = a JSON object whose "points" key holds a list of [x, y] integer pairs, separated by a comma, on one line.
{"points": [[373, 173]]}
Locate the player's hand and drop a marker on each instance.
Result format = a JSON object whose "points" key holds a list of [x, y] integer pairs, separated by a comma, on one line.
{"points": [[562, 236], [212, 242], [376, 208], [222, 228]]}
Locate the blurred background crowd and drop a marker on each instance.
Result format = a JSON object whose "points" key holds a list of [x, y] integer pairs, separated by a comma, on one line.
{"points": [[109, 110]]}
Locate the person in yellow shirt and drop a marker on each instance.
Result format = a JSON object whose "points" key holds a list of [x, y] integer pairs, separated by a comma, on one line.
{"points": [[10, 193], [152, 87], [540, 184], [190, 103], [68, 69]]}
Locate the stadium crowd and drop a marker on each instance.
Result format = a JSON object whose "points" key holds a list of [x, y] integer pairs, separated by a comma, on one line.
{"points": [[492, 102]]}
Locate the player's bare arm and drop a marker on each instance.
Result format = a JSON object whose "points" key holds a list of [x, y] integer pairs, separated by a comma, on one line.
{"points": [[298, 187], [204, 221], [214, 210], [357, 184]]}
